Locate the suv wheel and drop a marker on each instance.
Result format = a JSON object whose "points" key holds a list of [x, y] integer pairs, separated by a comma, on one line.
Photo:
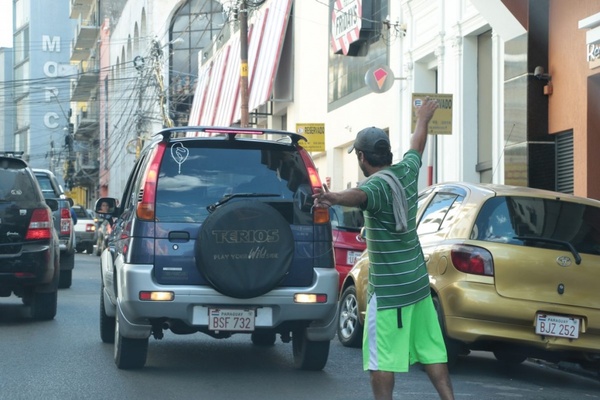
{"points": [[309, 355], [107, 324], [129, 353], [245, 249], [66, 275], [66, 278], [350, 330], [43, 305]]}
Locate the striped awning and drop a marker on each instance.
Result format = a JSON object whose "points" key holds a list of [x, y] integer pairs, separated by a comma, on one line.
{"points": [[217, 97]]}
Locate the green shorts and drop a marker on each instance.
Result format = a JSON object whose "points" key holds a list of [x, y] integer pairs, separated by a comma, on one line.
{"points": [[386, 347]]}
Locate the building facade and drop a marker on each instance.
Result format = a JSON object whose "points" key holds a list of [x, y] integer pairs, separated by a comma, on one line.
{"points": [[523, 106], [41, 77], [6, 98]]}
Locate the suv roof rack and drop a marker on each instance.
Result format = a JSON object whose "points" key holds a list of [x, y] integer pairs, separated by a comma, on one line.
{"points": [[13, 154], [231, 132]]}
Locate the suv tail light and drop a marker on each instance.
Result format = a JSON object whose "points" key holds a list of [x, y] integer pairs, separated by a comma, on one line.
{"points": [[146, 205], [40, 225], [320, 214], [472, 260], [65, 221]]}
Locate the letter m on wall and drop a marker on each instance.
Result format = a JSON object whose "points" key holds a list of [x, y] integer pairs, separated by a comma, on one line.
{"points": [[49, 44]]}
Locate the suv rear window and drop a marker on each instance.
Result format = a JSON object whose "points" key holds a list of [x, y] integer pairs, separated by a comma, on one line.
{"points": [[539, 222], [188, 184], [46, 186], [16, 185]]}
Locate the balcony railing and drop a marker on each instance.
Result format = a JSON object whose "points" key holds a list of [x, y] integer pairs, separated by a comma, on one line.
{"points": [[80, 7], [86, 166], [86, 35], [87, 122], [86, 83]]}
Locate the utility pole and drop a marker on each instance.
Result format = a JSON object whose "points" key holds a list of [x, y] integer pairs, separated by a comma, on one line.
{"points": [[157, 53], [243, 18]]}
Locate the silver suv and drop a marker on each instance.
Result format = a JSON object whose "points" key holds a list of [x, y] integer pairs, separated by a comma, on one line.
{"points": [[216, 233]]}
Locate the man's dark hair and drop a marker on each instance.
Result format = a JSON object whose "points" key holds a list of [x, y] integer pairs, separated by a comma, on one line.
{"points": [[379, 159]]}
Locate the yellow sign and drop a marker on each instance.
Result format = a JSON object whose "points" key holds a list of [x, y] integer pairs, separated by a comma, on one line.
{"points": [[314, 134], [441, 123]]}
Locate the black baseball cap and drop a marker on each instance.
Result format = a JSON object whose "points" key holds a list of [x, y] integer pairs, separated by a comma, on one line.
{"points": [[371, 140]]}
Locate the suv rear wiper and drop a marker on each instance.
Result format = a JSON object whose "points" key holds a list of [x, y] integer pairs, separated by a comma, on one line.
{"points": [[554, 241], [227, 197]]}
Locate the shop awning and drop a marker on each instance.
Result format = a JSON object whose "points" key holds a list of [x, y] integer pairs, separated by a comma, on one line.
{"points": [[217, 98]]}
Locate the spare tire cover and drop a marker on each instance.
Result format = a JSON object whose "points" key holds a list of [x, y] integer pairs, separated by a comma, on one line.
{"points": [[244, 249]]}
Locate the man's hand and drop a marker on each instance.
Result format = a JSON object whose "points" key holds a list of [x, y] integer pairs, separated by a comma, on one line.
{"points": [[321, 197], [426, 110], [349, 197], [424, 114]]}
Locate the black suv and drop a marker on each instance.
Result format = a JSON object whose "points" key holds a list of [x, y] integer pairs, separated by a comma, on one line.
{"points": [[216, 233], [28, 243]]}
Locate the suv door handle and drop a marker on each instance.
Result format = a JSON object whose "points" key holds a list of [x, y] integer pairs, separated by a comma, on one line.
{"points": [[179, 236]]}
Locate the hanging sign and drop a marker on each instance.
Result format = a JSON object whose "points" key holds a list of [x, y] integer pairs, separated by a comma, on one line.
{"points": [[346, 21]]}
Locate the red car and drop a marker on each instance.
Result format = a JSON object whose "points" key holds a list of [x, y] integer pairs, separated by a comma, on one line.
{"points": [[346, 223]]}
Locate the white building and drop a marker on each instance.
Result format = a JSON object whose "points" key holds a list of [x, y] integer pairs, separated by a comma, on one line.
{"points": [[442, 46], [430, 47]]}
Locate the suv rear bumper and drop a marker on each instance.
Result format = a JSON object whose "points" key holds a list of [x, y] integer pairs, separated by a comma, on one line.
{"points": [[191, 304], [33, 265]]}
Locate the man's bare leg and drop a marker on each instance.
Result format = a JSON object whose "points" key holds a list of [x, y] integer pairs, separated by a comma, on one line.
{"points": [[382, 384], [439, 376]]}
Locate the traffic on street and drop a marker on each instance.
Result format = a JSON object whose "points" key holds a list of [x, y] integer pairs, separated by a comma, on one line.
{"points": [[65, 359]]}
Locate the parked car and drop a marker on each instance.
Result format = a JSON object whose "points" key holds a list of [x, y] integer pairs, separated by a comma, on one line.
{"points": [[217, 234], [63, 223], [346, 223], [85, 230], [29, 262], [513, 270]]}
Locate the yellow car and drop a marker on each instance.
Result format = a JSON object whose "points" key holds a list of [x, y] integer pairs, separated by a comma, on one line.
{"points": [[513, 270]]}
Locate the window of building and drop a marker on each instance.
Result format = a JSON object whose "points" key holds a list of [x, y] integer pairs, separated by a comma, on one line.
{"points": [[22, 13], [22, 79], [346, 73], [21, 45], [193, 28], [22, 116]]}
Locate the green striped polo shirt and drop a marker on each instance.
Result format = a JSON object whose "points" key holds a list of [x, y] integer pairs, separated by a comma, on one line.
{"points": [[397, 271]]}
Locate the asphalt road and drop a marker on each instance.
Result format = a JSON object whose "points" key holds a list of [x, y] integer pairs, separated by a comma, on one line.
{"points": [[65, 359]]}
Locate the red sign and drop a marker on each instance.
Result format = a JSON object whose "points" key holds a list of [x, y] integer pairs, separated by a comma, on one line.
{"points": [[346, 21]]}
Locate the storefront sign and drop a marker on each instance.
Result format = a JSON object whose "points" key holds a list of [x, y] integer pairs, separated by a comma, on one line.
{"points": [[314, 134], [592, 38], [593, 55], [441, 123], [346, 21]]}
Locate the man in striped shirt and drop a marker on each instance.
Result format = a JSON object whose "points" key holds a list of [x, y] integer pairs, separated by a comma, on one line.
{"points": [[401, 325]]}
